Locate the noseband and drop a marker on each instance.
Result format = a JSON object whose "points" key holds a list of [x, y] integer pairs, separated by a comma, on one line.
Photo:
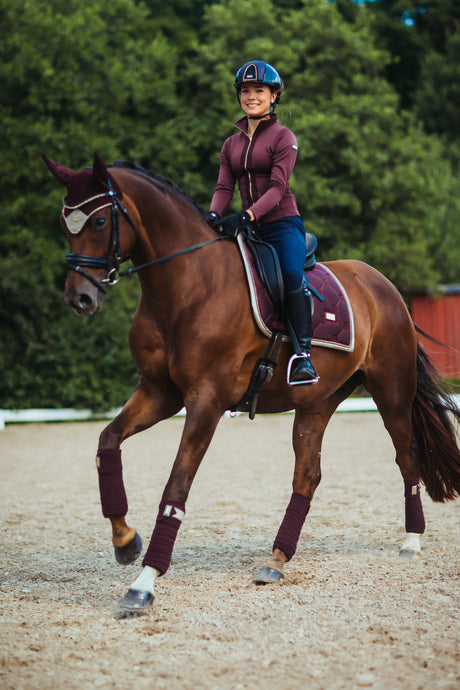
{"points": [[111, 265]]}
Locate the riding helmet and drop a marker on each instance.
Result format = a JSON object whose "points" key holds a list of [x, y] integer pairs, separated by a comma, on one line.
{"points": [[258, 72]]}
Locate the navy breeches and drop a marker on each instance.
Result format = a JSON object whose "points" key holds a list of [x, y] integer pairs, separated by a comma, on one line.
{"points": [[287, 236]]}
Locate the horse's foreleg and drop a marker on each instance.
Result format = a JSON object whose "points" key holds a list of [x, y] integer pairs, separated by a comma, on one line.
{"points": [[199, 428], [147, 406], [197, 434], [307, 438]]}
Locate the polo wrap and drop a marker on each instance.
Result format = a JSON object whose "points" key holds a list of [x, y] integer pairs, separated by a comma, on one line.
{"points": [[415, 520], [111, 488], [289, 531], [170, 516]]}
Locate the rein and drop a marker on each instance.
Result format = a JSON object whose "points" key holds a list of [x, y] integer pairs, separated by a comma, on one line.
{"points": [[112, 266], [163, 259]]}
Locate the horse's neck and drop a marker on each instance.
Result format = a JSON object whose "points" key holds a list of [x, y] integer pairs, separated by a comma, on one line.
{"points": [[164, 237], [165, 230]]}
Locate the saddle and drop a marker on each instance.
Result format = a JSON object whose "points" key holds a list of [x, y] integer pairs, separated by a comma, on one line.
{"points": [[332, 316], [267, 265], [331, 310]]}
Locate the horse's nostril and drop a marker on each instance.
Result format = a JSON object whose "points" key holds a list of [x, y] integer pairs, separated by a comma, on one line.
{"points": [[81, 302], [85, 301]]}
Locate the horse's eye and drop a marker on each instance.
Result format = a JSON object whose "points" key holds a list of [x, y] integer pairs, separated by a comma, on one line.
{"points": [[100, 222]]}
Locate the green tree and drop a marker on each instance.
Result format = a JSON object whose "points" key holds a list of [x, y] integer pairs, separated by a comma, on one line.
{"points": [[437, 99], [423, 39], [410, 31], [151, 82], [75, 78], [363, 177]]}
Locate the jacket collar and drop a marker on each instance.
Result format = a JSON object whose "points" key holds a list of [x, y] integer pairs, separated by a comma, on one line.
{"points": [[242, 124]]}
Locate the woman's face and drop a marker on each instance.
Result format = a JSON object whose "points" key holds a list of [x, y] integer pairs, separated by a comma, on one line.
{"points": [[256, 99]]}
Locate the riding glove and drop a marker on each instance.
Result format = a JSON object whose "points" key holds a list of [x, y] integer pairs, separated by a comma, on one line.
{"points": [[234, 224], [212, 218]]}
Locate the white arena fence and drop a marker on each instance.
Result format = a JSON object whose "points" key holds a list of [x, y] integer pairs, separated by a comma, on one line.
{"points": [[71, 415]]}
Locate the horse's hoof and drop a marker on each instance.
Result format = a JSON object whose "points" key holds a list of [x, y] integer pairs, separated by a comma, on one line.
{"points": [[409, 553], [129, 552], [411, 547], [135, 601], [267, 575]]}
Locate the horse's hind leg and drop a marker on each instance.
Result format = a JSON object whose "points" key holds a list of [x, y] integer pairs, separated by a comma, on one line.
{"points": [[393, 395], [148, 405], [307, 437]]}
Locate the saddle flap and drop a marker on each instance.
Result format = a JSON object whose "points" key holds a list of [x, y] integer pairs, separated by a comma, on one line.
{"points": [[268, 266], [333, 321]]}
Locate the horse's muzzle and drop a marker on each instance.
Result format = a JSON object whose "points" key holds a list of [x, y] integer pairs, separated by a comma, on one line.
{"points": [[84, 302]]}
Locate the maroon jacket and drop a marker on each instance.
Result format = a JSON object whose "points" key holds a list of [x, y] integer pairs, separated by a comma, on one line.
{"points": [[262, 167]]}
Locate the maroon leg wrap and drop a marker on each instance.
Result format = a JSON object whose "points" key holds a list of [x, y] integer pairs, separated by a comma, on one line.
{"points": [[111, 489], [415, 521], [170, 516], [289, 531]]}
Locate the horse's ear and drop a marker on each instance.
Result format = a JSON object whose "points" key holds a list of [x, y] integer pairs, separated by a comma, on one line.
{"points": [[103, 177], [100, 172], [63, 175]]}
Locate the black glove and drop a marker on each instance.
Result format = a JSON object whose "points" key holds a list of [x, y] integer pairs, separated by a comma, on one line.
{"points": [[212, 218], [234, 224]]}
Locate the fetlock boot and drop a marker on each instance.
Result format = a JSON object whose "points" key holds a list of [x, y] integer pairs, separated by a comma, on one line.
{"points": [[300, 367]]}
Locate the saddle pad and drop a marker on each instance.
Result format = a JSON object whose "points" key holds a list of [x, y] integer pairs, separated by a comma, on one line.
{"points": [[333, 323]]}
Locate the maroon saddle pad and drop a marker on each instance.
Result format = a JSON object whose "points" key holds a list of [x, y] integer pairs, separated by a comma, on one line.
{"points": [[333, 324]]}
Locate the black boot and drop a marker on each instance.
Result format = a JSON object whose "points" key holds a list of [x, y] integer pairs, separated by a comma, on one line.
{"points": [[298, 305]]}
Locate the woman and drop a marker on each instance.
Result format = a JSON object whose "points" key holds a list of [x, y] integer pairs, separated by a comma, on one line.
{"points": [[261, 157]]}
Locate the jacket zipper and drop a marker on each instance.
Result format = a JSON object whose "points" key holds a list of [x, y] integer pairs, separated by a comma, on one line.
{"points": [[247, 171]]}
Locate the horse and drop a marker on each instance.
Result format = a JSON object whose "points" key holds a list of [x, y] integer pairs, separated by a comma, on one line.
{"points": [[194, 341]]}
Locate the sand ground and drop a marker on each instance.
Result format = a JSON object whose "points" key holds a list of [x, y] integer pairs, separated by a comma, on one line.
{"points": [[349, 613]]}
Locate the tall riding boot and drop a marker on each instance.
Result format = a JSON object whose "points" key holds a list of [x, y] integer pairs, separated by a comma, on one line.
{"points": [[298, 305]]}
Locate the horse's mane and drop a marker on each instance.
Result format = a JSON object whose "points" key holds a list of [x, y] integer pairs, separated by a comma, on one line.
{"points": [[165, 184]]}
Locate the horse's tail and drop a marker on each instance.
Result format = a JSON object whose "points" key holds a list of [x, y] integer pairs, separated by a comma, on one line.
{"points": [[434, 419]]}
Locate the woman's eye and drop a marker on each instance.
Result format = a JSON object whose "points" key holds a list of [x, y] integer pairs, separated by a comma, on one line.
{"points": [[100, 222]]}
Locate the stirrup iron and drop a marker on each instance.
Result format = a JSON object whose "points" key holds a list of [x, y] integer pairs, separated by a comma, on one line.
{"points": [[303, 382]]}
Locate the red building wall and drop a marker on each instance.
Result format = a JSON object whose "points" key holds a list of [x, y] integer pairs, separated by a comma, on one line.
{"points": [[440, 317]]}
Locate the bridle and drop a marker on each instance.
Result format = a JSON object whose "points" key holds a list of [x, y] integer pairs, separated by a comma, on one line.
{"points": [[111, 264]]}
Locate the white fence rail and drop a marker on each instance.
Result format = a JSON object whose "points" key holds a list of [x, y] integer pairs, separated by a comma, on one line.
{"points": [[70, 415], [51, 415]]}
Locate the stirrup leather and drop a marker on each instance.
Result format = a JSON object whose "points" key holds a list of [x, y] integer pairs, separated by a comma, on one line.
{"points": [[289, 367]]}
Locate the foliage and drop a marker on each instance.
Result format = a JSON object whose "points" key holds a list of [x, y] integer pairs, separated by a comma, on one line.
{"points": [[363, 178], [74, 78], [437, 97], [410, 31], [150, 81]]}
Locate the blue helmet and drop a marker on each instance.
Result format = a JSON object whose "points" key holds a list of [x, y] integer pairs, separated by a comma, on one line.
{"points": [[258, 72]]}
